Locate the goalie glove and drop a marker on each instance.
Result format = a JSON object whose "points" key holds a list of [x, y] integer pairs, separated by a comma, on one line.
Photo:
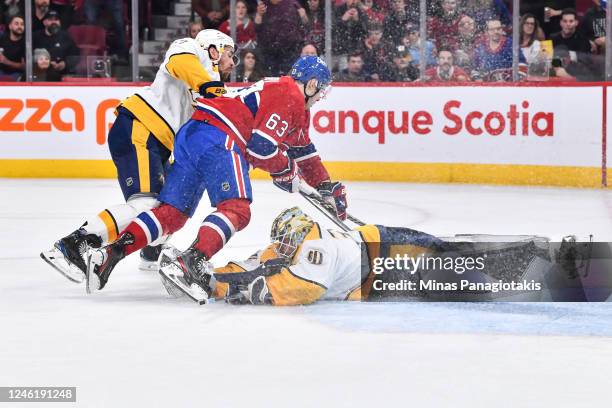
{"points": [[335, 194], [291, 180]]}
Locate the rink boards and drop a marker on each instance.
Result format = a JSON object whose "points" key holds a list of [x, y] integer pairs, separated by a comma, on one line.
{"points": [[528, 134]]}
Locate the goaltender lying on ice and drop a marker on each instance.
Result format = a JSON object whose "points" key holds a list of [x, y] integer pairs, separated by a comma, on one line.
{"points": [[305, 263]]}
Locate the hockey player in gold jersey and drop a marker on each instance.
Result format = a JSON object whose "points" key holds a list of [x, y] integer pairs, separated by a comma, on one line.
{"points": [[303, 264], [141, 141]]}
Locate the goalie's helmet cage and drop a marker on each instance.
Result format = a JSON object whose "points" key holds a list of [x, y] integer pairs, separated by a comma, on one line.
{"points": [[289, 230], [209, 37], [310, 67]]}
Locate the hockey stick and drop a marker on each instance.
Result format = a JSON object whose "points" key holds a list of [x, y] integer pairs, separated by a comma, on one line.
{"points": [[329, 211]]}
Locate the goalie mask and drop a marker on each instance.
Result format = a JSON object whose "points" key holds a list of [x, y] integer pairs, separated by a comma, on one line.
{"points": [[289, 230]]}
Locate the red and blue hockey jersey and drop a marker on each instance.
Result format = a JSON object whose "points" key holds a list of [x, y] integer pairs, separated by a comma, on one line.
{"points": [[269, 123]]}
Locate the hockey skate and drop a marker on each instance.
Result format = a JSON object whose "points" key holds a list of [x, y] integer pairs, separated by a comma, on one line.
{"points": [[149, 257], [190, 273], [68, 254], [102, 261], [168, 255]]}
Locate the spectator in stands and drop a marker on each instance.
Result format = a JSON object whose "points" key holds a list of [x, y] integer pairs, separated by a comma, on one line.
{"points": [[564, 67], [373, 11], [12, 49], [42, 71], [10, 8], [412, 41], [64, 52], [246, 37], [248, 70], [350, 27], [315, 28], [552, 14], [569, 36], [194, 28], [444, 27], [579, 47], [309, 49], [466, 43], [374, 52], [212, 12], [494, 54], [395, 22], [530, 45], [484, 10], [279, 26], [41, 7], [446, 71], [401, 70], [593, 25], [115, 8], [353, 71], [66, 9]]}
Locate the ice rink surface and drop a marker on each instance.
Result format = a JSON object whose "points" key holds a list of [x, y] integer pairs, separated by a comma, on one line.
{"points": [[131, 346]]}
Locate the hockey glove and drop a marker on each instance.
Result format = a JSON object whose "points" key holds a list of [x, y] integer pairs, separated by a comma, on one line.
{"points": [[334, 193], [212, 89], [291, 180]]}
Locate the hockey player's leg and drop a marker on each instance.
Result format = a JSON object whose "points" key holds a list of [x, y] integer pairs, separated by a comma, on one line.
{"points": [[139, 159], [225, 172], [147, 228]]}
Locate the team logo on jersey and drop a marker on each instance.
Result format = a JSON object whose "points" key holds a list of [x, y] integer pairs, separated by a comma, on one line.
{"points": [[315, 257], [129, 181], [225, 186]]}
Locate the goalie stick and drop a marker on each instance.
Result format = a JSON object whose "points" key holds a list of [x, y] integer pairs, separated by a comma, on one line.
{"points": [[329, 211]]}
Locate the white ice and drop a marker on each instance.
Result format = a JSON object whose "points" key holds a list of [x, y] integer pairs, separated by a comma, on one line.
{"points": [[131, 346]]}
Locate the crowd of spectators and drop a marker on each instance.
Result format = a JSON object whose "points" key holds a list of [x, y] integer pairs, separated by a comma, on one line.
{"points": [[372, 40], [466, 40]]}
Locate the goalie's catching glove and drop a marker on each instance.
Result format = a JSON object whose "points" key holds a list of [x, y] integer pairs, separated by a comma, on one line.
{"points": [[334, 193], [291, 180]]}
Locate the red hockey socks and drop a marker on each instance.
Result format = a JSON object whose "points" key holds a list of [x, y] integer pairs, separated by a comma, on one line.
{"points": [[231, 216]]}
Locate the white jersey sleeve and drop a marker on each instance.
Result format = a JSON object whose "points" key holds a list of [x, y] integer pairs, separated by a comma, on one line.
{"points": [[171, 96]]}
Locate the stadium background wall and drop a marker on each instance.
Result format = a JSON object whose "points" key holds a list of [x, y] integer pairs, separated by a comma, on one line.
{"points": [[515, 134]]}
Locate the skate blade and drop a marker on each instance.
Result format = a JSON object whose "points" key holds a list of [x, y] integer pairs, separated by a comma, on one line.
{"points": [[171, 289], [56, 259], [174, 276]]}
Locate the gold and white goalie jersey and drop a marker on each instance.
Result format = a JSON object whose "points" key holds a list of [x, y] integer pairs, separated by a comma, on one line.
{"points": [[165, 105], [327, 266]]}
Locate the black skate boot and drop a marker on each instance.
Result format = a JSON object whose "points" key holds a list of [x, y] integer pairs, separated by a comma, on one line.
{"points": [[102, 261], [68, 254], [149, 256], [191, 273]]}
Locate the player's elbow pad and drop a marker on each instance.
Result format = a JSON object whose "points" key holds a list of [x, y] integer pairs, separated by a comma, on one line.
{"points": [[212, 89]]}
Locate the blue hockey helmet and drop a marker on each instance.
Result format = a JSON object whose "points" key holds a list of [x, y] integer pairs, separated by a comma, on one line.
{"points": [[310, 67], [603, 3]]}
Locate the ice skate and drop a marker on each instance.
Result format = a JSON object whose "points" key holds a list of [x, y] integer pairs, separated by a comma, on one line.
{"points": [[102, 261], [68, 254], [149, 258], [189, 272]]}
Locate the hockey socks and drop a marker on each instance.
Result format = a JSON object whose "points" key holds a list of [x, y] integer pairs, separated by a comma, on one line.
{"points": [[112, 220], [231, 216], [150, 226]]}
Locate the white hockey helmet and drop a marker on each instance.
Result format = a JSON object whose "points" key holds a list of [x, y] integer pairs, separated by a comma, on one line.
{"points": [[215, 38]]}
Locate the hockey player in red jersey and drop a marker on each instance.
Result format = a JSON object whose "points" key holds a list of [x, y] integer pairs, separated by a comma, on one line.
{"points": [[264, 125]]}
